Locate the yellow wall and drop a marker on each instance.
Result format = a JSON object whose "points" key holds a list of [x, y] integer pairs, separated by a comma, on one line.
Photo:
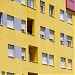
{"points": [[8, 36]]}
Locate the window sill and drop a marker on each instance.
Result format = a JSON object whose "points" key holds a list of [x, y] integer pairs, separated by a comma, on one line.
{"points": [[43, 38], [33, 61], [23, 4], [62, 20], [42, 12], [10, 28], [69, 23], [52, 40], [23, 32], [51, 65], [52, 16], [11, 57], [63, 67], [70, 69], [30, 34], [45, 64], [23, 59], [31, 7]]}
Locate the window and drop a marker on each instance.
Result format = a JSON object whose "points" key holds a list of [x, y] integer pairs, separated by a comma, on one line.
{"points": [[69, 64], [42, 6], [69, 41], [42, 32], [62, 38], [30, 3], [69, 18], [33, 54], [44, 58], [51, 10], [10, 21], [3, 73], [63, 62], [10, 73], [23, 25], [51, 58], [11, 50], [51, 35], [61, 15], [22, 1], [30, 25], [1, 18], [23, 53]]}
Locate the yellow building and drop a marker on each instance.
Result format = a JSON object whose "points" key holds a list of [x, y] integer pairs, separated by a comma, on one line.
{"points": [[37, 37]]}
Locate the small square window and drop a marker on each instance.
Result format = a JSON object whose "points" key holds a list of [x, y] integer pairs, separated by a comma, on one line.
{"points": [[62, 38], [10, 22], [30, 3], [51, 10], [69, 64], [42, 6], [51, 60], [69, 18], [23, 53], [63, 62], [61, 15], [23, 26], [11, 50], [69, 41], [51, 35], [44, 58]]}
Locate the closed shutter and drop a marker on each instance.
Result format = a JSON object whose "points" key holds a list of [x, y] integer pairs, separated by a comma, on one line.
{"points": [[61, 15], [10, 22], [62, 62], [44, 58], [50, 59], [69, 64]]}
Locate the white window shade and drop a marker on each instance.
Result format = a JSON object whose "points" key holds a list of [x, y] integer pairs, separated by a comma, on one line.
{"points": [[51, 59], [10, 22], [62, 63], [69, 64], [69, 18], [10, 53], [44, 58], [61, 15], [23, 1]]}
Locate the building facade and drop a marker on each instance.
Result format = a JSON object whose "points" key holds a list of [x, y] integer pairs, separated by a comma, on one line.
{"points": [[37, 37]]}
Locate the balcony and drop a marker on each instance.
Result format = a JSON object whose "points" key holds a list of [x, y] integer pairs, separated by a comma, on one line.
{"points": [[70, 4]]}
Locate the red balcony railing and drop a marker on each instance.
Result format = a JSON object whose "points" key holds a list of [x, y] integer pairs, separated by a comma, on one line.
{"points": [[70, 4]]}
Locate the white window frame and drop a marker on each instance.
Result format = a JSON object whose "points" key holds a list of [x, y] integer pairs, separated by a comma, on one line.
{"points": [[42, 32], [10, 23], [63, 62], [51, 10], [51, 34], [61, 15], [42, 5], [51, 60], [10, 50], [69, 18], [44, 58], [69, 64]]}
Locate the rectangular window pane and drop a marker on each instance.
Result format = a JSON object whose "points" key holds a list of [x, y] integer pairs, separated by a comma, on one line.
{"points": [[69, 18], [1, 18], [69, 64], [42, 6]]}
